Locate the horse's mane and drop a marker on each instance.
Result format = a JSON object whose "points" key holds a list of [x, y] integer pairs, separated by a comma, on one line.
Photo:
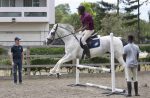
{"points": [[71, 28], [68, 26]]}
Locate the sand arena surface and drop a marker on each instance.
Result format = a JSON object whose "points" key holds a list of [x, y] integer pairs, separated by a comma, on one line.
{"points": [[51, 87]]}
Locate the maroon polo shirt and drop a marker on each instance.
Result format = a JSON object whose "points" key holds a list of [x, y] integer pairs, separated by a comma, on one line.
{"points": [[87, 19]]}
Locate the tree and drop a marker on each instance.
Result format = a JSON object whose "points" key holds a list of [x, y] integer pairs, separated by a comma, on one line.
{"points": [[100, 14], [104, 20], [74, 20], [149, 15], [106, 7], [98, 11], [102, 10], [64, 8], [118, 2], [62, 11], [131, 19], [145, 30], [89, 7], [111, 23]]}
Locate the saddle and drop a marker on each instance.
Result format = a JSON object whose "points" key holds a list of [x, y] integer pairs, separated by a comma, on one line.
{"points": [[92, 42]]}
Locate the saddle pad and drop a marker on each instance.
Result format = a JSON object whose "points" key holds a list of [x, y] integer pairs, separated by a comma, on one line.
{"points": [[93, 43]]}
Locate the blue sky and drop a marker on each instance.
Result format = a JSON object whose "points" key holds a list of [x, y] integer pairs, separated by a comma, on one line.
{"points": [[75, 3]]}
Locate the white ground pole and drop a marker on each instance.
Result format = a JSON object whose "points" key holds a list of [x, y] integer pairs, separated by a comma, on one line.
{"points": [[113, 89]]}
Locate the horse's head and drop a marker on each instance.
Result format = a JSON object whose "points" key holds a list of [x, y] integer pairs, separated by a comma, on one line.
{"points": [[59, 32], [52, 34]]}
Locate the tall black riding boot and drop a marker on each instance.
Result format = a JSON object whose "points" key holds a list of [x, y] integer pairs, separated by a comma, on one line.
{"points": [[87, 51], [136, 88], [129, 86]]}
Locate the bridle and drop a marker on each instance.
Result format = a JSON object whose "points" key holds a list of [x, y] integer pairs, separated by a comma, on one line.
{"points": [[59, 37]]}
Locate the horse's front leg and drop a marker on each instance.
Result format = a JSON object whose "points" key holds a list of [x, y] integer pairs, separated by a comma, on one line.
{"points": [[56, 68]]}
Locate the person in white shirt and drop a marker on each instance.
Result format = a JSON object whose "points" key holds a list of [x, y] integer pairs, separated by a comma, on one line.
{"points": [[131, 55]]}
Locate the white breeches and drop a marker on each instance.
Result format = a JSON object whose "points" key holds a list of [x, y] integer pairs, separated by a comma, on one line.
{"points": [[131, 74], [86, 35]]}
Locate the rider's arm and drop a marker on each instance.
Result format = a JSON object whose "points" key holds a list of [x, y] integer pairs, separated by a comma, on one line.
{"points": [[82, 28], [78, 30]]}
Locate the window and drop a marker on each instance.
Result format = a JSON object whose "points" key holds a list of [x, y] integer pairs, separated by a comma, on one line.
{"points": [[7, 3], [36, 3], [10, 14], [31, 3], [27, 3], [35, 14], [12, 3]]}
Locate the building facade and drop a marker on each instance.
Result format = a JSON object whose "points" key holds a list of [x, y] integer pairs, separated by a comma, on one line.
{"points": [[27, 19]]}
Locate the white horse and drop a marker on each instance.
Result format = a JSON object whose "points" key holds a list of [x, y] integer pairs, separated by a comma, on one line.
{"points": [[73, 49]]}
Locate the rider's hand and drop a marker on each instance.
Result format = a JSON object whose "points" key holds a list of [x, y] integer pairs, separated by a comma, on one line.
{"points": [[78, 30]]}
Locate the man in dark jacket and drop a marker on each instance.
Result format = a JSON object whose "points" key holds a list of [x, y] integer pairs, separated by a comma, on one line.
{"points": [[17, 59]]}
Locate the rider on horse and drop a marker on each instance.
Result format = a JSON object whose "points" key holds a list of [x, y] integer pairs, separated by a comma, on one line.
{"points": [[87, 28]]}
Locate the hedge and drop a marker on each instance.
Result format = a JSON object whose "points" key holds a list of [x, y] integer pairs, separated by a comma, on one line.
{"points": [[96, 60], [145, 48], [2, 51], [61, 50], [49, 51], [147, 59], [46, 51], [5, 62], [48, 61], [43, 61]]}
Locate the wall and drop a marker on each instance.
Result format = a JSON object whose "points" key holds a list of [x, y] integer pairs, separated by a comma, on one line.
{"points": [[35, 32]]}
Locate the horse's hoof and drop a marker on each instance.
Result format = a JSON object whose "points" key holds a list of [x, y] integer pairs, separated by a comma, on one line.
{"points": [[79, 68], [110, 71], [58, 75], [50, 74]]}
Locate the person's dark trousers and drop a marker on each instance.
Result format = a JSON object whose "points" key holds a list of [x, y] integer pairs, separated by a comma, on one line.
{"points": [[17, 67], [129, 87], [139, 67], [136, 88]]}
